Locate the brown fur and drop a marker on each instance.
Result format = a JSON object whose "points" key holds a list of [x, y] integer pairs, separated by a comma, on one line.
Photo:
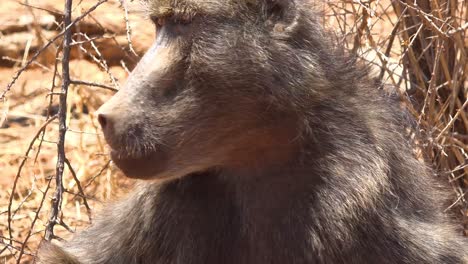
{"points": [[52, 254], [270, 145]]}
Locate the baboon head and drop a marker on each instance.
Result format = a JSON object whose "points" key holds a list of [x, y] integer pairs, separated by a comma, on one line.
{"points": [[221, 87]]}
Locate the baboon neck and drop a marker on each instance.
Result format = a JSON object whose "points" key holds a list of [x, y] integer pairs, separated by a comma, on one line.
{"points": [[245, 217]]}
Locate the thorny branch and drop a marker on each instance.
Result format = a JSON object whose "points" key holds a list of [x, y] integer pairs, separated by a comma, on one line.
{"points": [[18, 174], [47, 45], [94, 84], [62, 116], [36, 216], [80, 189], [23, 246]]}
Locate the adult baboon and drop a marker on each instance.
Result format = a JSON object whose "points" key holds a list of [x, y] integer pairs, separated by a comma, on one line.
{"points": [[270, 145]]}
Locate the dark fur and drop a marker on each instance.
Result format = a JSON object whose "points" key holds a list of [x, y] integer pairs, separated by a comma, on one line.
{"points": [[271, 146]]}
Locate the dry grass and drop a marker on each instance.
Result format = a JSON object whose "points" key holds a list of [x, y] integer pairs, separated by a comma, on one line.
{"points": [[421, 49]]}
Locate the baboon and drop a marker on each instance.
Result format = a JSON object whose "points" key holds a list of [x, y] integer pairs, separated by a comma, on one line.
{"points": [[260, 140]]}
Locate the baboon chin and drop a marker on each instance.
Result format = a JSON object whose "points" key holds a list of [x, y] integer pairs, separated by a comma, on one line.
{"points": [[275, 146]]}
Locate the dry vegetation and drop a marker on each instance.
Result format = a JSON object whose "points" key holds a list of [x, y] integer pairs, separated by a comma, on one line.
{"points": [[422, 49]]}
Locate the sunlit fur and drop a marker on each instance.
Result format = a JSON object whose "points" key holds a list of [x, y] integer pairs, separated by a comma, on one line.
{"points": [[273, 146]]}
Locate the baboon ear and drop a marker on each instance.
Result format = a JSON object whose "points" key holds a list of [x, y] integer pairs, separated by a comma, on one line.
{"points": [[281, 14]]}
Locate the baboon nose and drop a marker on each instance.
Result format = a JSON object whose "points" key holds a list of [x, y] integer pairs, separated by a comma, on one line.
{"points": [[104, 121]]}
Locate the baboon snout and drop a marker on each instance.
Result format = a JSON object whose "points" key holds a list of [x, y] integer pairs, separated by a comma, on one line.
{"points": [[108, 125], [113, 119]]}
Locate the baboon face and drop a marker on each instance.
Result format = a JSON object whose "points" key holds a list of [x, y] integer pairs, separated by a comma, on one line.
{"points": [[205, 94]]}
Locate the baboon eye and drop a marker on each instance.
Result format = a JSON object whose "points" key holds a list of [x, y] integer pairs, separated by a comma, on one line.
{"points": [[161, 21], [175, 25]]}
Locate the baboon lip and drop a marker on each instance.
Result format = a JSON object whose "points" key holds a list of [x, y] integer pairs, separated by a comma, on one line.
{"points": [[117, 155]]}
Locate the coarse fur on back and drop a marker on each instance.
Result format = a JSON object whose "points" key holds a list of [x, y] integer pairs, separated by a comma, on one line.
{"points": [[261, 141]]}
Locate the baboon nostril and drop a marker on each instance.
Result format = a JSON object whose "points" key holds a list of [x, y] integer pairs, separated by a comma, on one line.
{"points": [[102, 121]]}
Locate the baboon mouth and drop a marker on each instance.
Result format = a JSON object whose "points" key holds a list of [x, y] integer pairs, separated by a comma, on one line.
{"points": [[135, 167], [119, 154]]}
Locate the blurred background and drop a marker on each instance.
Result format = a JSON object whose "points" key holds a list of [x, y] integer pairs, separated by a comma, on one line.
{"points": [[420, 47]]}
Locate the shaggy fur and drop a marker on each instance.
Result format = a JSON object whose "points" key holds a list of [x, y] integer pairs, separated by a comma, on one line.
{"points": [[269, 145]]}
